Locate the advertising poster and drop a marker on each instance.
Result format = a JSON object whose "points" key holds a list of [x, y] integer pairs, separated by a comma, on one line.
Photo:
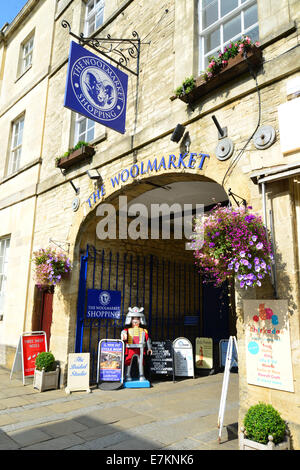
{"points": [[110, 360], [32, 345], [268, 348], [103, 304], [204, 353], [183, 357]]}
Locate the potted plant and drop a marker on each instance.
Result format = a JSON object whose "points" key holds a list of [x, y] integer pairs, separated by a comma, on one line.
{"points": [[46, 373], [264, 429], [232, 243], [230, 63], [81, 151], [51, 266]]}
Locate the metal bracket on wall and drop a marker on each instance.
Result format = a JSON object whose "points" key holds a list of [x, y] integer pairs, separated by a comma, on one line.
{"points": [[123, 49], [60, 244]]}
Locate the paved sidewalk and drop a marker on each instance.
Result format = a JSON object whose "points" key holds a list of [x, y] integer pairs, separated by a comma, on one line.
{"points": [[168, 416]]}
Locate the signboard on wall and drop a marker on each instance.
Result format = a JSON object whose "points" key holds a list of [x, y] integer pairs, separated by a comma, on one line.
{"points": [[103, 304], [183, 357], [96, 89], [204, 353], [78, 372], [268, 348]]}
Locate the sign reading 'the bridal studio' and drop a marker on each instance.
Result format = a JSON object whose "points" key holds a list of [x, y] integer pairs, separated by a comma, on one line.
{"points": [[268, 348]]}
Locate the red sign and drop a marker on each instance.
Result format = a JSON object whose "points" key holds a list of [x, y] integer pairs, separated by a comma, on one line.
{"points": [[32, 345]]}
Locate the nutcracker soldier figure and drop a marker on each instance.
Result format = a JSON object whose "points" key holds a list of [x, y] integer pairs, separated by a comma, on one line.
{"points": [[137, 341]]}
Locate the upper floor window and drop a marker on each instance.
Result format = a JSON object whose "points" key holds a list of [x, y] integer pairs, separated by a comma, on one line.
{"points": [[94, 16], [4, 250], [16, 145], [26, 54], [223, 21], [84, 129]]}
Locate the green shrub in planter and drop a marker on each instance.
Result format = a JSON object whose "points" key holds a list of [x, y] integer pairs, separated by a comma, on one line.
{"points": [[45, 360], [262, 421]]}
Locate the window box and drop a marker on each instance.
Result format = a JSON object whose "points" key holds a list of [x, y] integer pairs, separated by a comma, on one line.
{"points": [[76, 156], [236, 66]]}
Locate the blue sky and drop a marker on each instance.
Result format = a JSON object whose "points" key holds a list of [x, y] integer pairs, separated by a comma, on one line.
{"points": [[9, 10]]}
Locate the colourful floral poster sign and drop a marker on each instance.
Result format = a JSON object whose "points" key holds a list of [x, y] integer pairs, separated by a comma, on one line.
{"points": [[268, 348]]}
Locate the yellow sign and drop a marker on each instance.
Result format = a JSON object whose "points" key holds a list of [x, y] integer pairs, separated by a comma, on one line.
{"points": [[268, 348], [204, 353]]}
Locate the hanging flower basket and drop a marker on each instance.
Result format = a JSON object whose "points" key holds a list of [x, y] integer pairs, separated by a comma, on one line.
{"points": [[51, 267], [232, 243]]}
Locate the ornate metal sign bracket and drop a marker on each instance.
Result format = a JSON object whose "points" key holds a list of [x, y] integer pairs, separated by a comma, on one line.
{"points": [[123, 49]]}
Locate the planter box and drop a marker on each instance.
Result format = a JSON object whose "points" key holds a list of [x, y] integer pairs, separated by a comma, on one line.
{"points": [[235, 67], [46, 380], [77, 156], [247, 444]]}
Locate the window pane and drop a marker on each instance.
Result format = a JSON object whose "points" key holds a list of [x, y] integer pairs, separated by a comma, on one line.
{"points": [[99, 19], [253, 34], [227, 6], [232, 28], [250, 16], [82, 127], [212, 41], [90, 135], [210, 12]]}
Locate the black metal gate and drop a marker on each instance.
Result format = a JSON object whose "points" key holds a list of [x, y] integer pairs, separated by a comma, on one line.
{"points": [[169, 291]]}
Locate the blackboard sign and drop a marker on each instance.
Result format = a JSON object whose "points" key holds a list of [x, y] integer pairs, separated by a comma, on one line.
{"points": [[162, 359]]}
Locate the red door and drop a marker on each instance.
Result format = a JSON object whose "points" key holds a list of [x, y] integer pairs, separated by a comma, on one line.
{"points": [[46, 318]]}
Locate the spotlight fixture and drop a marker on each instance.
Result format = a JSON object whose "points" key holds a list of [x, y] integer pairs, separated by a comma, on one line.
{"points": [[225, 147], [93, 174], [185, 143], [177, 133], [222, 130]]}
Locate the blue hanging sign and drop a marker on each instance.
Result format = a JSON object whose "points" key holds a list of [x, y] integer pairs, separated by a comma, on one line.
{"points": [[96, 89], [103, 304]]}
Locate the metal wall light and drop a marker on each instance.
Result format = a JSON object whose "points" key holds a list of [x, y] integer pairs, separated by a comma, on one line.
{"points": [[93, 174], [225, 147], [177, 133]]}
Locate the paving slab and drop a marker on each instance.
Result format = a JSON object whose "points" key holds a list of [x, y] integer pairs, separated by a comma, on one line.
{"points": [[59, 443], [29, 436], [62, 428]]}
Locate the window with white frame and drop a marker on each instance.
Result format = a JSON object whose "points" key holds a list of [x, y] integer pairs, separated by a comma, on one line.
{"points": [[84, 129], [223, 21], [26, 59], [4, 250], [94, 16], [16, 145]]}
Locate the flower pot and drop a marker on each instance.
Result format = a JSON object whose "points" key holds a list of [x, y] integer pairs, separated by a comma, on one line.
{"points": [[247, 444], [76, 156], [236, 66], [46, 380]]}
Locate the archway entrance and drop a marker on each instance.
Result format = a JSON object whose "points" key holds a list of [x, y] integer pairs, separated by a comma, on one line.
{"points": [[158, 274]]}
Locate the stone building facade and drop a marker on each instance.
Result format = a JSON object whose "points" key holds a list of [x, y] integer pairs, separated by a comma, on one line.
{"points": [[38, 204]]}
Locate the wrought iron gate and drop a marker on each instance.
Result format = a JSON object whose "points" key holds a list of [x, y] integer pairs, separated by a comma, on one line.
{"points": [[170, 291]]}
